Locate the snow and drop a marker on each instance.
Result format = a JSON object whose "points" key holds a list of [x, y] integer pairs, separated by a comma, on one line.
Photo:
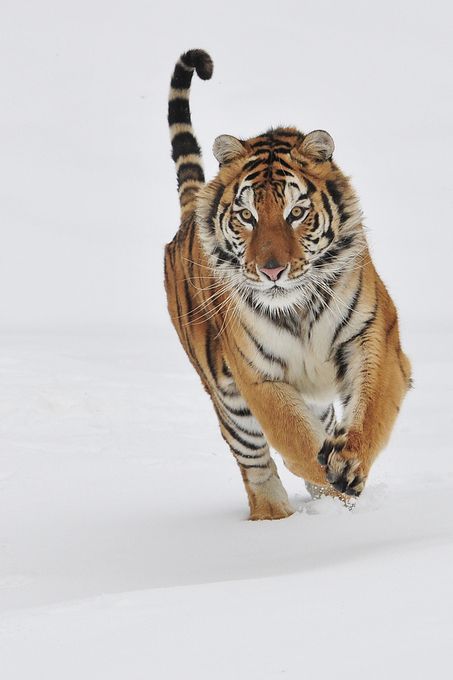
{"points": [[124, 546], [125, 550]]}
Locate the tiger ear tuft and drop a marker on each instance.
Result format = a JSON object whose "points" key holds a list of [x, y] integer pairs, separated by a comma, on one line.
{"points": [[227, 148], [318, 145]]}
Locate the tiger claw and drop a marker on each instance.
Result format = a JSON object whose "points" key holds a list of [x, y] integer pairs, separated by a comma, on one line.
{"points": [[344, 475]]}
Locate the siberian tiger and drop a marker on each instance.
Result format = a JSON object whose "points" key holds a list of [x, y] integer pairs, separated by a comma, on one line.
{"points": [[276, 301]]}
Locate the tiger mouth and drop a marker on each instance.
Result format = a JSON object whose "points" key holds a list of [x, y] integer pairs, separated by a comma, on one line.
{"points": [[276, 288], [274, 292]]}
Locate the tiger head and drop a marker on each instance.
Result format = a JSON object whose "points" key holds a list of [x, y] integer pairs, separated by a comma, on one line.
{"points": [[279, 216]]}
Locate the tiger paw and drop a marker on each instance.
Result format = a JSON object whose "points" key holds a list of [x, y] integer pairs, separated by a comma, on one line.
{"points": [[271, 510], [269, 500], [342, 471], [345, 474]]}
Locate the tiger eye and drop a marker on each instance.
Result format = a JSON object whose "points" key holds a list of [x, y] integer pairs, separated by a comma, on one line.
{"points": [[296, 211], [246, 215]]}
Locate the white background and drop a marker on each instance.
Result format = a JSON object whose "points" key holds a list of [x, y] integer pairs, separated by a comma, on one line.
{"points": [[124, 550]]}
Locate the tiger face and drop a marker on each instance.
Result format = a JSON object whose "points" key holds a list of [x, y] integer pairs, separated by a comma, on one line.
{"points": [[279, 217]]}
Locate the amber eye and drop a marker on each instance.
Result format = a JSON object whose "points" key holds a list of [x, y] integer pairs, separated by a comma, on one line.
{"points": [[246, 215], [297, 212]]}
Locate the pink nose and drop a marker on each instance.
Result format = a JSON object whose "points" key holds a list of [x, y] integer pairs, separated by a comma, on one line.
{"points": [[272, 273]]}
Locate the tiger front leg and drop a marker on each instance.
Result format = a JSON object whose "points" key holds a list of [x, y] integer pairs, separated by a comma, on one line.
{"points": [[266, 494], [286, 421], [371, 407]]}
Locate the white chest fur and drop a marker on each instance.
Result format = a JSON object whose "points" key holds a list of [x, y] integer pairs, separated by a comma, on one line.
{"points": [[309, 367]]}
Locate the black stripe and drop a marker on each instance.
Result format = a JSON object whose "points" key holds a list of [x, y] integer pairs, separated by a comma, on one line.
{"points": [[250, 363], [345, 242], [252, 164], [178, 111], [181, 78], [248, 432], [345, 400], [316, 223], [267, 355], [184, 143], [329, 233], [252, 175], [223, 213], [208, 352], [260, 143], [229, 246], [341, 362], [330, 256], [281, 150], [326, 204], [215, 206], [188, 171], [188, 299], [166, 278], [223, 255], [331, 419], [282, 173], [246, 455], [234, 434], [225, 369], [281, 161], [340, 356], [283, 321], [321, 299], [245, 412], [287, 322], [310, 186], [364, 328], [351, 309], [325, 414], [247, 466], [190, 248], [336, 195]]}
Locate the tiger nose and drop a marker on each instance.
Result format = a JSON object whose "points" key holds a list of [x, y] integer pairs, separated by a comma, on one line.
{"points": [[272, 270]]}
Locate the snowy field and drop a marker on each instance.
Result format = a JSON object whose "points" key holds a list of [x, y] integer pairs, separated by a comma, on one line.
{"points": [[124, 547], [125, 550]]}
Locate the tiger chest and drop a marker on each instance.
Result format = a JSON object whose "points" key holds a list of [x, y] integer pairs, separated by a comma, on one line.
{"points": [[303, 359]]}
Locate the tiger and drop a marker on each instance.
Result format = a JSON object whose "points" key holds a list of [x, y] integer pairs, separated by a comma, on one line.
{"points": [[275, 299]]}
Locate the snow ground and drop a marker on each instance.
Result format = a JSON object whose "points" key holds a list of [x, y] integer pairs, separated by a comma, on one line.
{"points": [[124, 550]]}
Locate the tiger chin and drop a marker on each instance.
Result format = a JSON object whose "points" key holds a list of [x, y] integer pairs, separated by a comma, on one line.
{"points": [[276, 301]]}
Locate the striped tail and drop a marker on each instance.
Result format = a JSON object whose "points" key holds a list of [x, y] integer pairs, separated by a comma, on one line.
{"points": [[185, 150]]}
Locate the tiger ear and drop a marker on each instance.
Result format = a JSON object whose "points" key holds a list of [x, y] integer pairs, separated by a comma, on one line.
{"points": [[318, 145], [227, 148]]}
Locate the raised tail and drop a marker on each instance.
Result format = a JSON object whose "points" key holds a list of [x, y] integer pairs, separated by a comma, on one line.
{"points": [[185, 150]]}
